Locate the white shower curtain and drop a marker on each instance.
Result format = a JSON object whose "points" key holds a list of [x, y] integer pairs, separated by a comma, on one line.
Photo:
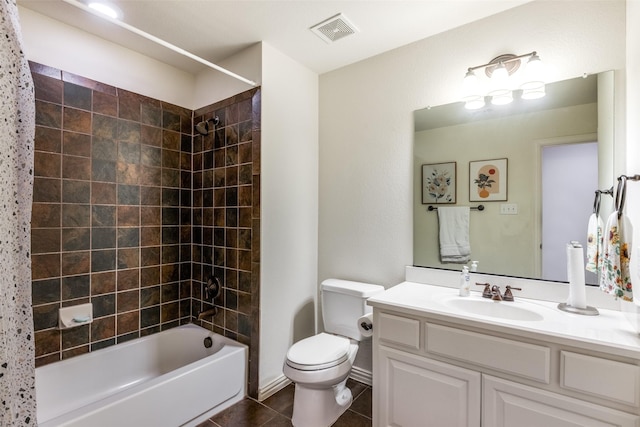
{"points": [[17, 130]]}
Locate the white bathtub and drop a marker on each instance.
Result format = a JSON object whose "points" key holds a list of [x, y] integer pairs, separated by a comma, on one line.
{"points": [[165, 379]]}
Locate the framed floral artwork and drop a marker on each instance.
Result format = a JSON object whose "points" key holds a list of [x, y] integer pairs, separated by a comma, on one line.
{"points": [[439, 183], [488, 180]]}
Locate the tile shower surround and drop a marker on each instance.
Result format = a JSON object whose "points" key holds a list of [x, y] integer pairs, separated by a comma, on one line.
{"points": [[133, 210]]}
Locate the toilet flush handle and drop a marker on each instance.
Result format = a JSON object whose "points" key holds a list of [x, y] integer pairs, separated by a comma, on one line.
{"points": [[366, 326]]}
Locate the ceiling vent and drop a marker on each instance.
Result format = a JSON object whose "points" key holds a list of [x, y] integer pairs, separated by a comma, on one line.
{"points": [[334, 28]]}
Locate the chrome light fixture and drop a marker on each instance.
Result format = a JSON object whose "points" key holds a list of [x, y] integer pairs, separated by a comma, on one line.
{"points": [[503, 80]]}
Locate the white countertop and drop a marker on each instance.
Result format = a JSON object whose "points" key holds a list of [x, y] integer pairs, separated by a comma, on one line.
{"points": [[608, 332]]}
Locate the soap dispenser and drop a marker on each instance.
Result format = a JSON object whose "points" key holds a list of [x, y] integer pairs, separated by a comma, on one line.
{"points": [[465, 282], [474, 266]]}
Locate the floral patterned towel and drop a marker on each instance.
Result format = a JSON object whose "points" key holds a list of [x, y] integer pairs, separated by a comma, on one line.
{"points": [[594, 242], [615, 277]]}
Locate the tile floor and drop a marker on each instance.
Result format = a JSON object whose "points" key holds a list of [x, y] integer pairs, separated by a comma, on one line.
{"points": [[276, 411]]}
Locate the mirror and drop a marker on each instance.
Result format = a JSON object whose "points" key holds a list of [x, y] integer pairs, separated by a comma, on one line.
{"points": [[510, 236]]}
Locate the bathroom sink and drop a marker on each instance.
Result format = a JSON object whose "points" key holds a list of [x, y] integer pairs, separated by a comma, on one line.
{"points": [[497, 309]]}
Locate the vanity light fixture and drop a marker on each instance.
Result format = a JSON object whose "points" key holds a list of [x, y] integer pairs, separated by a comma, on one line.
{"points": [[503, 79]]}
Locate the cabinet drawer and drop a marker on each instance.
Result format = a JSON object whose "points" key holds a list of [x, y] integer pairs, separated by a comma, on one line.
{"points": [[508, 356], [608, 379], [399, 330]]}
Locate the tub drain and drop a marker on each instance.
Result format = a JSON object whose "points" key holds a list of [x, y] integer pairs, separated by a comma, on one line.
{"points": [[208, 342]]}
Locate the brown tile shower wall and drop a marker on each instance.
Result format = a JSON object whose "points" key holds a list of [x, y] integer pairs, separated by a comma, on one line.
{"points": [[119, 179], [111, 221], [226, 220]]}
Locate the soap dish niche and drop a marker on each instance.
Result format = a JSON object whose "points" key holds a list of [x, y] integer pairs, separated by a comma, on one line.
{"points": [[75, 315]]}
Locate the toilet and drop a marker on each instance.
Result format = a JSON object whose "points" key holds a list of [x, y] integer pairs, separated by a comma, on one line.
{"points": [[319, 365]]}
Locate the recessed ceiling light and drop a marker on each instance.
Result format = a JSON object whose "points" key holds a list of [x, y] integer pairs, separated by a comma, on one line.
{"points": [[105, 9]]}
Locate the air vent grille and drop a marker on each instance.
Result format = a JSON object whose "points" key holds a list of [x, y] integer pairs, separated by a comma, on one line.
{"points": [[334, 28]]}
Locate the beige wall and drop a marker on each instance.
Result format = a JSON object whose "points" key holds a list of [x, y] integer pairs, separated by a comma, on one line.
{"points": [[289, 209], [366, 121]]}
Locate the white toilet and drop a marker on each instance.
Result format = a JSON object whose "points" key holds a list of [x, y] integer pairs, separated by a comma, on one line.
{"points": [[319, 365]]}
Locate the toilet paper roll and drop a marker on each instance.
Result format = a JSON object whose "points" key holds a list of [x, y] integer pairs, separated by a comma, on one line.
{"points": [[575, 272], [365, 325]]}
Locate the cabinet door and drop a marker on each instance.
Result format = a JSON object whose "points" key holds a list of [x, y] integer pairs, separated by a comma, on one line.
{"points": [[418, 392], [508, 404]]}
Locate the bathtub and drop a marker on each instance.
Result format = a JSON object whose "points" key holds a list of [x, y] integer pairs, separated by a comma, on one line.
{"points": [[165, 379]]}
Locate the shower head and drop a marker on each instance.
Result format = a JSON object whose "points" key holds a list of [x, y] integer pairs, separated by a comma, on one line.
{"points": [[204, 127]]}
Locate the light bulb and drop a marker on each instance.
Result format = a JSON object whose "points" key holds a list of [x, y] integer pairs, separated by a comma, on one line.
{"points": [[533, 90], [473, 102], [472, 95], [501, 97], [533, 86], [500, 92], [534, 67], [500, 77]]}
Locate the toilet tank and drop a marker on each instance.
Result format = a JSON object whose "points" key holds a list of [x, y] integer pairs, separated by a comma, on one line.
{"points": [[343, 302]]}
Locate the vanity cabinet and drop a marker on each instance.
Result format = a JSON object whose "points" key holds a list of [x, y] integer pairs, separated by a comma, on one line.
{"points": [[430, 372], [509, 404], [423, 392]]}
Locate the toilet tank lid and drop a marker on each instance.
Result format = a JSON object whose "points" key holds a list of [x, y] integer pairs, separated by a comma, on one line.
{"points": [[360, 289]]}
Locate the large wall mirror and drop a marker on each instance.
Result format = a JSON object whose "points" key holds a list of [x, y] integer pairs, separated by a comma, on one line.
{"points": [[559, 150]]}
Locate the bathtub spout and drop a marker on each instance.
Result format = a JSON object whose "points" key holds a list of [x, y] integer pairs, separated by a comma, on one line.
{"points": [[208, 313]]}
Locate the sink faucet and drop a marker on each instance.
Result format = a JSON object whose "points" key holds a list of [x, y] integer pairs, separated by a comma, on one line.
{"points": [[494, 293]]}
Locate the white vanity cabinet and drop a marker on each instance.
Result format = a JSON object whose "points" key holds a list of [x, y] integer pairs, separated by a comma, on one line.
{"points": [[432, 372], [418, 391]]}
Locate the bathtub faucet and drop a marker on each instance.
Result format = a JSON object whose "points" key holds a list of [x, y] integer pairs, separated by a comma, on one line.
{"points": [[208, 313]]}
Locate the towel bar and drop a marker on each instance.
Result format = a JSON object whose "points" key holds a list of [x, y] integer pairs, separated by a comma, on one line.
{"points": [[473, 208]]}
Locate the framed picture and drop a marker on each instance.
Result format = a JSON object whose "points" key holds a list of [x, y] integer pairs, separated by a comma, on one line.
{"points": [[439, 183], [488, 180]]}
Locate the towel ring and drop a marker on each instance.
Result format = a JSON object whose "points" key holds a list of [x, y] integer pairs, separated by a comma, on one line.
{"points": [[621, 194], [598, 199], [596, 203]]}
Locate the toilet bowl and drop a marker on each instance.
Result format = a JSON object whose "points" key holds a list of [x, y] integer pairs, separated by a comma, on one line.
{"points": [[320, 365]]}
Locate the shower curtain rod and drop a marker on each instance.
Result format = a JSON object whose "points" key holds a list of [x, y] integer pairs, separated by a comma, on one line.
{"points": [[159, 41]]}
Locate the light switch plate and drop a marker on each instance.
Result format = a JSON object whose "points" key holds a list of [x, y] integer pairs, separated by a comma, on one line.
{"points": [[508, 209]]}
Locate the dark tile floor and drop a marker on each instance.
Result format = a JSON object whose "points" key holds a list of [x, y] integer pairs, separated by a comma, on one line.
{"points": [[276, 410]]}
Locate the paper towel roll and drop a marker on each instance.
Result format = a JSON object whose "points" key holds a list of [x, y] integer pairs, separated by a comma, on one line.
{"points": [[575, 273], [365, 325]]}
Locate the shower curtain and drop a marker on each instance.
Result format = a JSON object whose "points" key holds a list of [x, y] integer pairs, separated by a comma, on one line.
{"points": [[17, 131]]}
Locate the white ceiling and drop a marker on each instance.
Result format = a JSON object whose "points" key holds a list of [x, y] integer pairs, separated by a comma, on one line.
{"points": [[217, 29]]}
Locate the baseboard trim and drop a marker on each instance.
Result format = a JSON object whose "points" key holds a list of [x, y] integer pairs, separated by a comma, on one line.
{"points": [[273, 387], [361, 375]]}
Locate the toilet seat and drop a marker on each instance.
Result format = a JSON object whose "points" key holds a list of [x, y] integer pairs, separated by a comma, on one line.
{"points": [[318, 352]]}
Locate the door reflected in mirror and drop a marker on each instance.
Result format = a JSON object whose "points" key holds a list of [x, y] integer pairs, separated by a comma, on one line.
{"points": [[507, 236]]}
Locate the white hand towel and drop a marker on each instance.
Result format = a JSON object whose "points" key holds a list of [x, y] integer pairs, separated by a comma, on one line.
{"points": [[615, 277], [594, 242], [454, 234]]}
